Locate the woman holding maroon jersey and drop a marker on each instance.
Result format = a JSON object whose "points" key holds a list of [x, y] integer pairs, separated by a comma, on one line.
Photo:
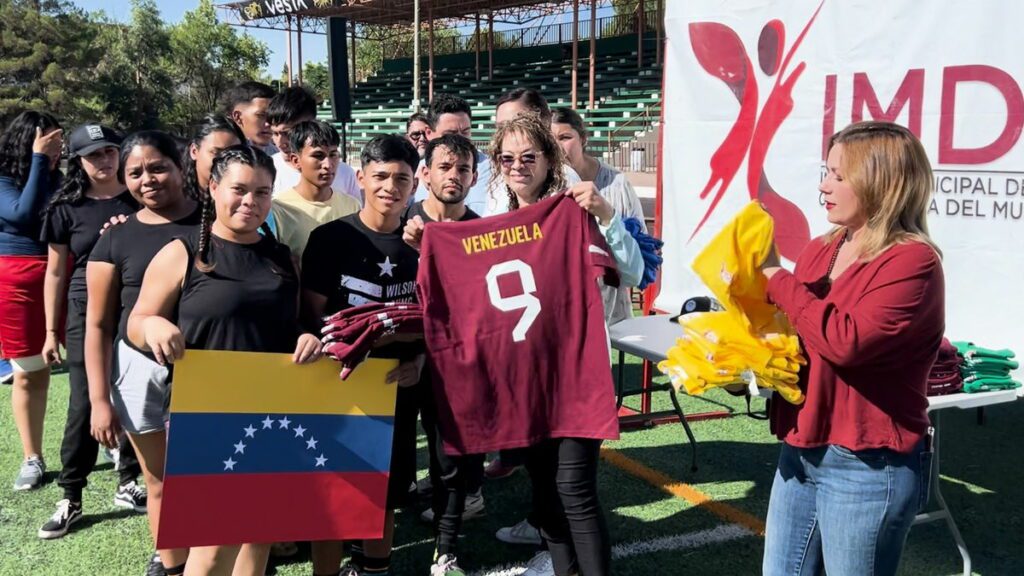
{"points": [[563, 471], [867, 300]]}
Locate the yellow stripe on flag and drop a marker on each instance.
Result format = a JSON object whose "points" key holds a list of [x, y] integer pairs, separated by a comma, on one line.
{"points": [[244, 382]]}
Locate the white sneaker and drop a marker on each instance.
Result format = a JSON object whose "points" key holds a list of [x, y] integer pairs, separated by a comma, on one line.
{"points": [[540, 565], [521, 533]]}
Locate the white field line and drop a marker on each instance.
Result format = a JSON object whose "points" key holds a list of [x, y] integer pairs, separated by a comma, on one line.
{"points": [[717, 535]]}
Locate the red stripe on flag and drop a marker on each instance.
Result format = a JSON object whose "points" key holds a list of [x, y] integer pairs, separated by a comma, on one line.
{"points": [[217, 509]]}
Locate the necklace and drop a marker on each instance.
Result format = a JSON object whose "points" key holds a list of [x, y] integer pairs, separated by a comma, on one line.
{"points": [[835, 256]]}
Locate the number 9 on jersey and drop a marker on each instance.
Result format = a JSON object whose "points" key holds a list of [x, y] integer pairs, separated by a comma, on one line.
{"points": [[525, 301]]}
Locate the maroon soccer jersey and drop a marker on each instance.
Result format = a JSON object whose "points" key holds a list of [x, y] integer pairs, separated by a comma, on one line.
{"points": [[514, 325]]}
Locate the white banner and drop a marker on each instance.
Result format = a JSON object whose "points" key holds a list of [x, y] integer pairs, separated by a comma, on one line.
{"points": [[754, 89]]}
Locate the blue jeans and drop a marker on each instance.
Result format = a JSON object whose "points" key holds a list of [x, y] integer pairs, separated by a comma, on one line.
{"points": [[843, 512]]}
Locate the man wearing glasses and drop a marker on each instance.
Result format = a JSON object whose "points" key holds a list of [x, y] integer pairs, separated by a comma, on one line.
{"points": [[417, 127]]}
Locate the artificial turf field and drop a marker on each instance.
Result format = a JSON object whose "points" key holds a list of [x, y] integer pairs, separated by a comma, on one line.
{"points": [[693, 523]]}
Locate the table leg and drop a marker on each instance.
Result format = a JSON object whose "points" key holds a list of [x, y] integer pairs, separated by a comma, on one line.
{"points": [[645, 398], [943, 512], [686, 428], [619, 379]]}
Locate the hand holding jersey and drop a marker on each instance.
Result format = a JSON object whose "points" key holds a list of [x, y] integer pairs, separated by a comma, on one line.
{"points": [[412, 234], [587, 197], [240, 190], [361, 259]]}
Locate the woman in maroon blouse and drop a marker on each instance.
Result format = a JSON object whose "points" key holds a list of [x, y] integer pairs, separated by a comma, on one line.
{"points": [[868, 302]]}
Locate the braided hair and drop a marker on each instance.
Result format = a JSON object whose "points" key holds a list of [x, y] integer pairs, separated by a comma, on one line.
{"points": [[239, 154], [532, 128]]}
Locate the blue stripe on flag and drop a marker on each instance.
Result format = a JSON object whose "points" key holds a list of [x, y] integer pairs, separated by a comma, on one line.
{"points": [[219, 443]]}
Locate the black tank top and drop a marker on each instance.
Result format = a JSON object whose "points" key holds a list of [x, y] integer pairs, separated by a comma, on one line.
{"points": [[247, 303]]}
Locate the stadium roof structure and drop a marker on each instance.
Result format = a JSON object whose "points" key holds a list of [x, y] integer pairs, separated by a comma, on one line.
{"points": [[311, 14]]}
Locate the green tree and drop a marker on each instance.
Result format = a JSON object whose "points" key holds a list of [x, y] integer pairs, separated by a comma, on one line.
{"points": [[317, 78], [135, 78], [48, 58], [629, 6], [207, 58]]}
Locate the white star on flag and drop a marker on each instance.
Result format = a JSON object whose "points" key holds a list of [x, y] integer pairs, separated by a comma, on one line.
{"points": [[284, 422], [250, 432], [299, 431], [229, 464], [386, 267], [268, 422], [240, 447], [320, 461], [311, 443]]}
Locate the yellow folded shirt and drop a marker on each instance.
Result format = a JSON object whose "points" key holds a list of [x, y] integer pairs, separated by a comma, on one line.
{"points": [[749, 337]]}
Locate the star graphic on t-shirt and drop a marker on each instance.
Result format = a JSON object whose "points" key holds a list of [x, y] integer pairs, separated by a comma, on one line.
{"points": [[386, 267]]}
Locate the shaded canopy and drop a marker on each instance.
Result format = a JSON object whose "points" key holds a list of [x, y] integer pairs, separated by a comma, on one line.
{"points": [[389, 12]]}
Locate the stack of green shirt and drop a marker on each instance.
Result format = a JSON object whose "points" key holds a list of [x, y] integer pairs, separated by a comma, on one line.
{"points": [[985, 369]]}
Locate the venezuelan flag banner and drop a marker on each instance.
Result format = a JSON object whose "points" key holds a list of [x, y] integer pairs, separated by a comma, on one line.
{"points": [[263, 450]]}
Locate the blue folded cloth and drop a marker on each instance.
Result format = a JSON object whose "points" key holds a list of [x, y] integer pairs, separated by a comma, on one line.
{"points": [[650, 249]]}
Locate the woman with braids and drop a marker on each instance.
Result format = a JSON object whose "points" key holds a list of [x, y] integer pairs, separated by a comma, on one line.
{"points": [[225, 287], [30, 151], [92, 193], [563, 471], [151, 169]]}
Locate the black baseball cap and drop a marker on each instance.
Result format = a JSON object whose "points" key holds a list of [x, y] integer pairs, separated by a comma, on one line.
{"points": [[88, 138], [698, 304]]}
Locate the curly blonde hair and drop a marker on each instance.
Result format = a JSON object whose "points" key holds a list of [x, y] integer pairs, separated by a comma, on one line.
{"points": [[533, 129]]}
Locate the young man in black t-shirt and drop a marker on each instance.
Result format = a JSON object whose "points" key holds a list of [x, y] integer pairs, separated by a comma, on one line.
{"points": [[360, 259]]}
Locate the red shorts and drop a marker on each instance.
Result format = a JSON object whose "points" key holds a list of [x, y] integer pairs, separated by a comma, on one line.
{"points": [[22, 316]]}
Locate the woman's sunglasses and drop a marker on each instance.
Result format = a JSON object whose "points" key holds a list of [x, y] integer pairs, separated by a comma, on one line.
{"points": [[507, 160]]}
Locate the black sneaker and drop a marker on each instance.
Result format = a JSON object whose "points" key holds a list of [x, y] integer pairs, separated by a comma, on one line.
{"points": [[131, 496], [156, 566], [67, 513]]}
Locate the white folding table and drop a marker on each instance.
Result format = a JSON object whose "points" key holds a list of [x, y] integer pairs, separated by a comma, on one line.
{"points": [[962, 401]]}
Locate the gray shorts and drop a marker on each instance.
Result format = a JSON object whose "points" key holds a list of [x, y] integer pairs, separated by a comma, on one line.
{"points": [[142, 393]]}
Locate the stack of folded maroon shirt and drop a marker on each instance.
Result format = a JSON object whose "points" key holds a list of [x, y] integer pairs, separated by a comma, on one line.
{"points": [[349, 335], [945, 376]]}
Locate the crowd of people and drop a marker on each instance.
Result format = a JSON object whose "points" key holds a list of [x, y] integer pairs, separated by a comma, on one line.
{"points": [[248, 233]]}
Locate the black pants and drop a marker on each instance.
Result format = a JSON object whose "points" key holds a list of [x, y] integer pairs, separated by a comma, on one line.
{"points": [[451, 477], [78, 449], [564, 476]]}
